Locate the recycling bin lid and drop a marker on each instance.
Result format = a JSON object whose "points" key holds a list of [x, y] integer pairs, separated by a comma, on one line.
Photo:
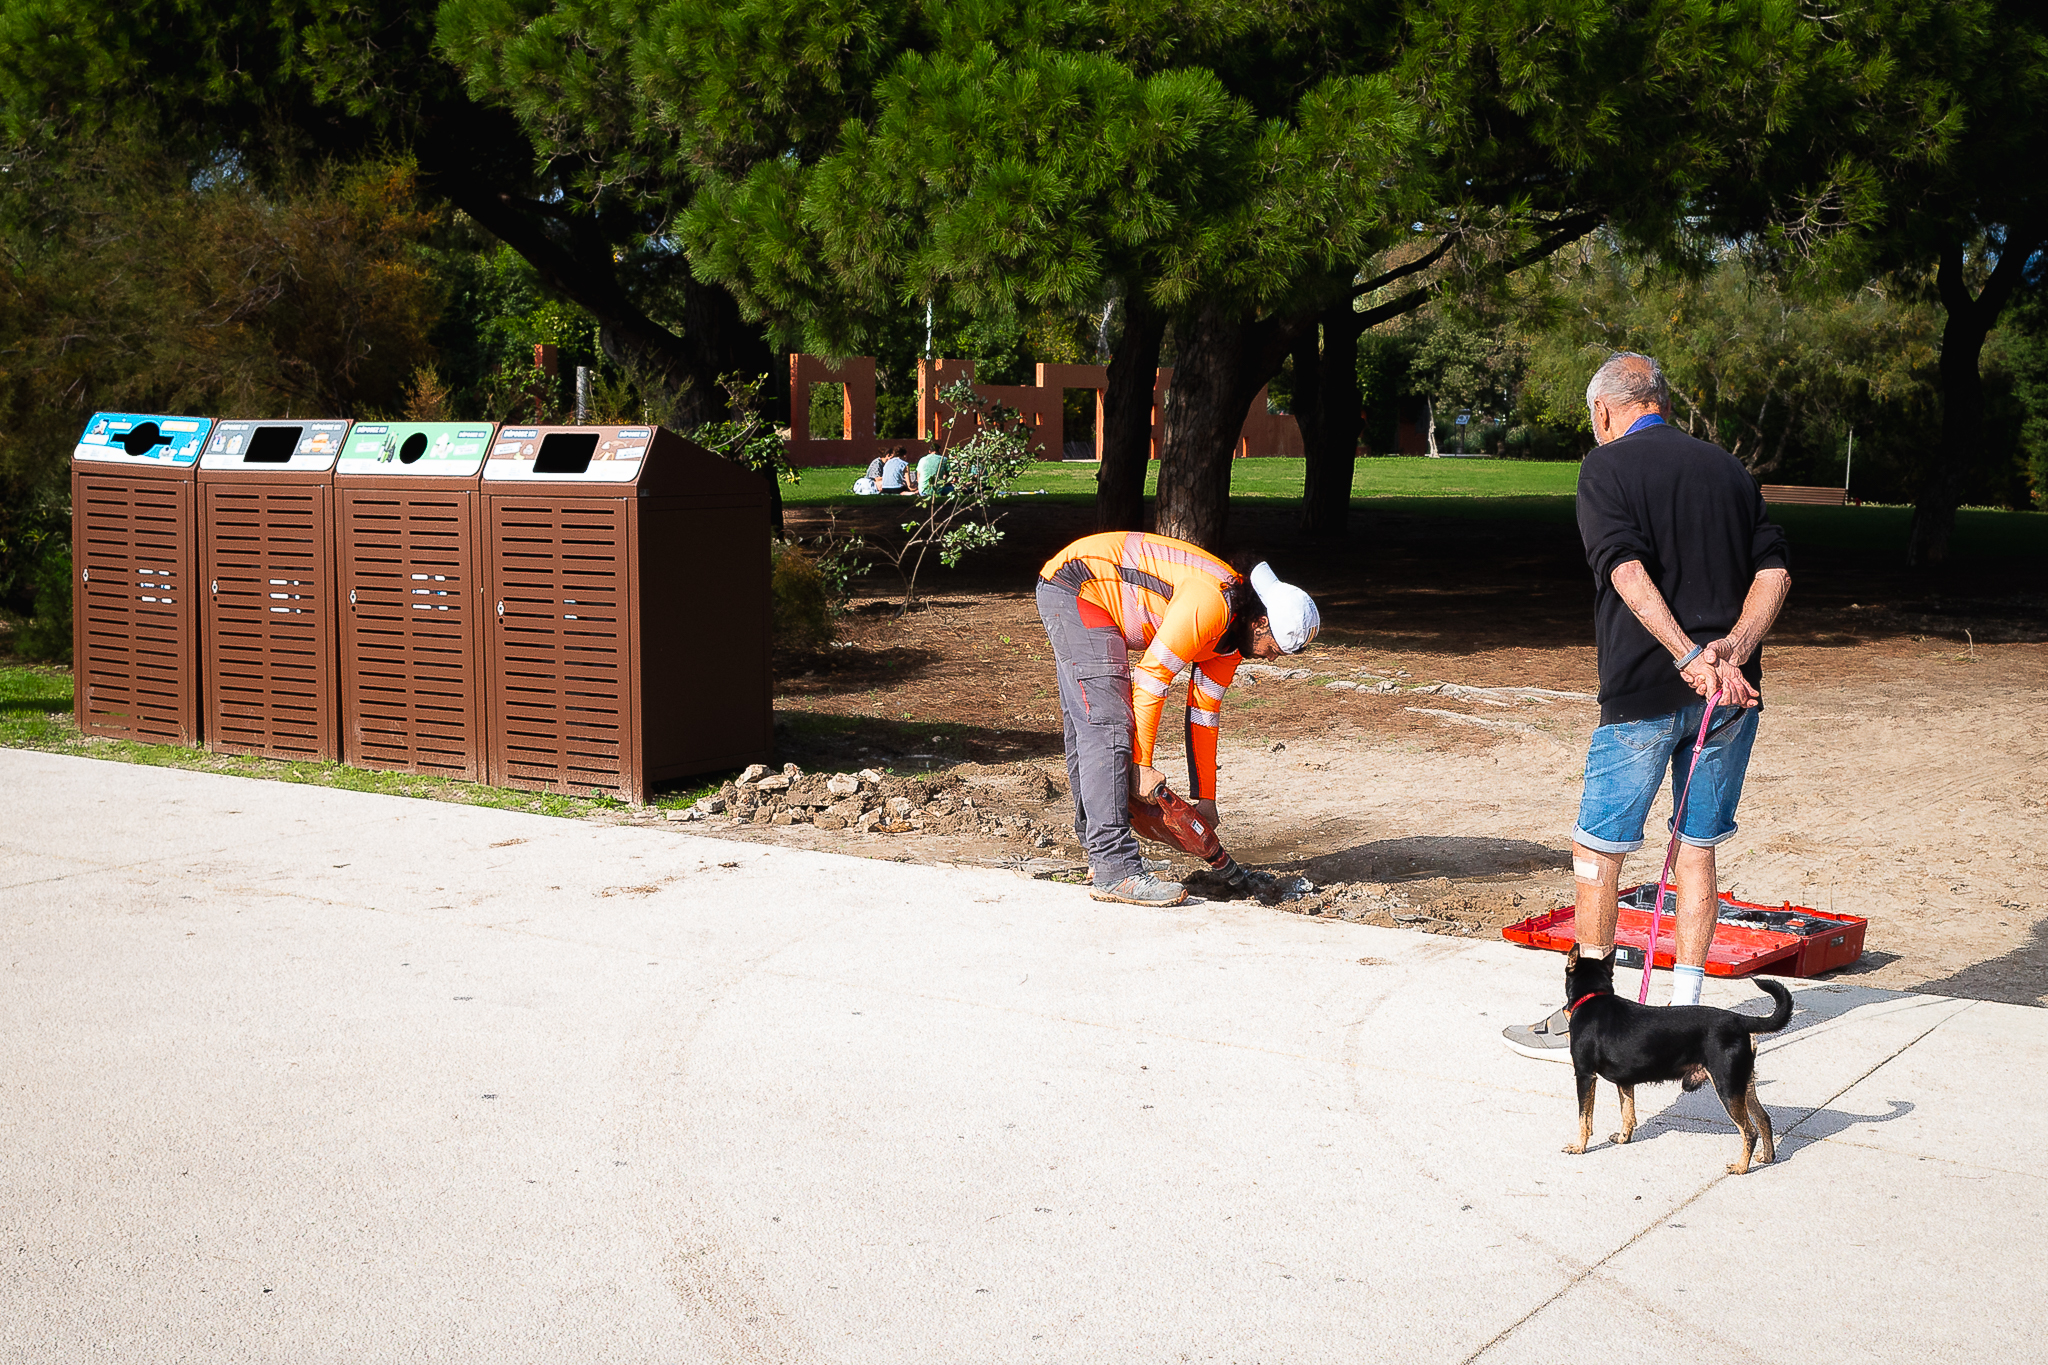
{"points": [[570, 454], [446, 450], [287, 445], [135, 438], [612, 462]]}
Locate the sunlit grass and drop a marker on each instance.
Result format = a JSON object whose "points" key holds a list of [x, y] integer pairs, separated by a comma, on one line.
{"points": [[1373, 477], [35, 713]]}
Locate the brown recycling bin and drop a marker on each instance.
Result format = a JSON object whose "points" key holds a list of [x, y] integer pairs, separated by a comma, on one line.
{"points": [[410, 587], [628, 588], [266, 533], [135, 561]]}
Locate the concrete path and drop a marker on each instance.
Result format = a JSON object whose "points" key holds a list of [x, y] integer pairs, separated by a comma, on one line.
{"points": [[299, 1075]]}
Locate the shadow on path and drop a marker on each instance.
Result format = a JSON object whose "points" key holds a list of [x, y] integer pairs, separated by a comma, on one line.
{"points": [[2020, 977]]}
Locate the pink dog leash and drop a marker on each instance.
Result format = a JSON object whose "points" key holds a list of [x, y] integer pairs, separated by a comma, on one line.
{"points": [[1671, 852]]}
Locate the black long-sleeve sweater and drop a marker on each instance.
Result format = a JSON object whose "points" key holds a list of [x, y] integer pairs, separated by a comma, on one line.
{"points": [[1695, 518]]}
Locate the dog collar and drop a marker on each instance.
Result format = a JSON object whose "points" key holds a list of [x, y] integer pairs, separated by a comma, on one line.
{"points": [[1580, 1001]]}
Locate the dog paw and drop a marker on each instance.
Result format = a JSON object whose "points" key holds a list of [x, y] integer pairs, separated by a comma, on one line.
{"points": [[1574, 1149], [1738, 1168], [1619, 1139]]}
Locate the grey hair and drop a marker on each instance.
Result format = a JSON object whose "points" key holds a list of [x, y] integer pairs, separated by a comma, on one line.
{"points": [[1630, 380]]}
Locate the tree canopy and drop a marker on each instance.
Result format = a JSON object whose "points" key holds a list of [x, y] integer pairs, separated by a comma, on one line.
{"points": [[1248, 172], [1241, 186]]}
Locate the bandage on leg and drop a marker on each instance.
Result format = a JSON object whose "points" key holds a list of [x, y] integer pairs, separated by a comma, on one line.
{"points": [[1685, 984]]}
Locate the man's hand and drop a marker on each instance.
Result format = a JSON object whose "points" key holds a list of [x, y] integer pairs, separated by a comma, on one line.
{"points": [[1700, 675], [1206, 808], [1146, 782], [1727, 675]]}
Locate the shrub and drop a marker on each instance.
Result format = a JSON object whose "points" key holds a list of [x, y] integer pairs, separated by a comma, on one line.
{"points": [[47, 634], [801, 614]]}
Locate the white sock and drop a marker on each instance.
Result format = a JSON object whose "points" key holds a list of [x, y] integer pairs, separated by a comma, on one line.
{"points": [[1685, 984]]}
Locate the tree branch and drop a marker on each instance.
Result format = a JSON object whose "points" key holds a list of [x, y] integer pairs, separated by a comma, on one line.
{"points": [[1422, 262], [1569, 230]]}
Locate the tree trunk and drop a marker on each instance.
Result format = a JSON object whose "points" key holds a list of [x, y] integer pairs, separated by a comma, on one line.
{"points": [[474, 157], [1221, 359], [1127, 417], [1308, 409], [1961, 452], [1333, 451]]}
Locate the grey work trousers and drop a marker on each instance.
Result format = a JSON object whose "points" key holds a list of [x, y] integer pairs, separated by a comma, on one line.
{"points": [[1094, 668]]}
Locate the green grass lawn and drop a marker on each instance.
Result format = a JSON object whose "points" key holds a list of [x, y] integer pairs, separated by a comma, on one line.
{"points": [[35, 713], [1375, 477], [1529, 492]]}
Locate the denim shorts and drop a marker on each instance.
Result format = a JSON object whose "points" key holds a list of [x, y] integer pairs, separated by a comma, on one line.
{"points": [[1627, 761]]}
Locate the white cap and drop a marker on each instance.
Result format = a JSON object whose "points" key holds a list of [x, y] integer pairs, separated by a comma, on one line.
{"points": [[1290, 613]]}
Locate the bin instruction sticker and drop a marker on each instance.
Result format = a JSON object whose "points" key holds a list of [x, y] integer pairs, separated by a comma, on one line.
{"points": [[568, 454], [143, 439], [441, 450], [286, 445]]}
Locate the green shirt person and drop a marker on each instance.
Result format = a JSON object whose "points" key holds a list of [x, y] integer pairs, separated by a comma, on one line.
{"points": [[930, 470]]}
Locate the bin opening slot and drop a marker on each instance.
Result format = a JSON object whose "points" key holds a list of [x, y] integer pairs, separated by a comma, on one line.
{"points": [[565, 452], [144, 438], [272, 445], [414, 447]]}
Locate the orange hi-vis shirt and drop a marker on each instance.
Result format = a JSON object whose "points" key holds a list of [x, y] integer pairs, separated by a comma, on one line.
{"points": [[1166, 596]]}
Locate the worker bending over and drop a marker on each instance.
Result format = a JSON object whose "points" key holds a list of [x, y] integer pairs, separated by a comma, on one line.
{"points": [[1108, 594]]}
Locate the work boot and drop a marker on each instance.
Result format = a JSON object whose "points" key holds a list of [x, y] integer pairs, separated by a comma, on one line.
{"points": [[1141, 888], [1548, 1041]]}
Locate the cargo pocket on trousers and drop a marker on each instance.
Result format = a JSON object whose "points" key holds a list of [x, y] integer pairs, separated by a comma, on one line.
{"points": [[1105, 696]]}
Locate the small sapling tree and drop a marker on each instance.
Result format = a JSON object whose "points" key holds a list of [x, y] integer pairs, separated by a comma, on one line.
{"points": [[957, 514]]}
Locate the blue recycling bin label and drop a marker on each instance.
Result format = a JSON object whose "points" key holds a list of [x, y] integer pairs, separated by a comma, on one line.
{"points": [[135, 438], [287, 445], [432, 449]]}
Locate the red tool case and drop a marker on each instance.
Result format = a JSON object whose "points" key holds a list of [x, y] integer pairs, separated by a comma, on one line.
{"points": [[1784, 940]]}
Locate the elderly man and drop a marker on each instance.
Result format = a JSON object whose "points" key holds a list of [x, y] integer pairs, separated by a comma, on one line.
{"points": [[1688, 576]]}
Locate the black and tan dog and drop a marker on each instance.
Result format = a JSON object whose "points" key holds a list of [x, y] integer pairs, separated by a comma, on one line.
{"points": [[1632, 1045]]}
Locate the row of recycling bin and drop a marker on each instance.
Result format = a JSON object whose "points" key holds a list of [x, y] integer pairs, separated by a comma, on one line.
{"points": [[570, 609]]}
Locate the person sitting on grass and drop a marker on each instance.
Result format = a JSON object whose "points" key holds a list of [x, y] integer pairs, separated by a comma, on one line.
{"points": [[931, 473], [1106, 594], [895, 473]]}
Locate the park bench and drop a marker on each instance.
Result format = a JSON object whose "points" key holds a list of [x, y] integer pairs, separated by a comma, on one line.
{"points": [[1818, 497]]}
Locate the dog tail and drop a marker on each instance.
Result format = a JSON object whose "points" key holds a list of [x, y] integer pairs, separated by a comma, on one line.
{"points": [[1778, 1017]]}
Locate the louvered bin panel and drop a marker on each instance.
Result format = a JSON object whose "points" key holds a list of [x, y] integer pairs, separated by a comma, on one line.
{"points": [[135, 561], [267, 536], [559, 712], [411, 584]]}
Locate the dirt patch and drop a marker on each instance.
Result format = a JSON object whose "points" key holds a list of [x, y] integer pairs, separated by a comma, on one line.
{"points": [[1423, 766]]}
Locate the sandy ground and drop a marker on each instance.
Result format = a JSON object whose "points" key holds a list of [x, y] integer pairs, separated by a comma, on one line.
{"points": [[1900, 779]]}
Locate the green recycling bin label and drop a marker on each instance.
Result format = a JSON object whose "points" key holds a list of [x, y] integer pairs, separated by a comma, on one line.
{"points": [[442, 450]]}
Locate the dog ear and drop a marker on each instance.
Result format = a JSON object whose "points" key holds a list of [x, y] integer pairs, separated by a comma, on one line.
{"points": [[1571, 957]]}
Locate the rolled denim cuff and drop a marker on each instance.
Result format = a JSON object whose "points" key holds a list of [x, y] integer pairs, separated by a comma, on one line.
{"points": [[1714, 842], [1598, 845]]}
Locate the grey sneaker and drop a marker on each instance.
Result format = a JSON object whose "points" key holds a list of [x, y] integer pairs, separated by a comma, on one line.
{"points": [[1151, 865], [1550, 1040], [1141, 888]]}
